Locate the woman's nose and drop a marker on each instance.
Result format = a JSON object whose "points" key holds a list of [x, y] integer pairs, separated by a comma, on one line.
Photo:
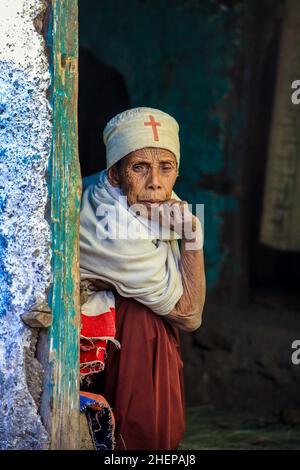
{"points": [[154, 180]]}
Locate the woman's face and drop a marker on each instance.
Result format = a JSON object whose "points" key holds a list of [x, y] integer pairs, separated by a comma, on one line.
{"points": [[146, 175]]}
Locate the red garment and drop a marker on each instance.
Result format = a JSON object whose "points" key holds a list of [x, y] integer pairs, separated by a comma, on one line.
{"points": [[143, 381], [92, 346]]}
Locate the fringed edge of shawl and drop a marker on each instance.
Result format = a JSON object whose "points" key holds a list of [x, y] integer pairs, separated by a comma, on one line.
{"points": [[99, 405]]}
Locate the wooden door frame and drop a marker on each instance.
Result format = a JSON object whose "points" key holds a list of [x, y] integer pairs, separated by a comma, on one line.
{"points": [[65, 194]]}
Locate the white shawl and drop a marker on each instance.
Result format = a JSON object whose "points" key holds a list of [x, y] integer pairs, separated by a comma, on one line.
{"points": [[146, 268]]}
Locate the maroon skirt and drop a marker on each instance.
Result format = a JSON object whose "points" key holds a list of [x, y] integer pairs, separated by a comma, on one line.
{"points": [[143, 381]]}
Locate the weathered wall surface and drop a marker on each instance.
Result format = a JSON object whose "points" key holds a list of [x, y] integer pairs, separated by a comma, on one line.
{"points": [[25, 136], [280, 226]]}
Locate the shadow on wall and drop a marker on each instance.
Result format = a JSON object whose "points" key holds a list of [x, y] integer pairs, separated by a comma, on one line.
{"points": [[102, 95]]}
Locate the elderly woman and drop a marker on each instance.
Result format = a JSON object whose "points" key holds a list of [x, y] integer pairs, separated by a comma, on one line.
{"points": [[141, 289]]}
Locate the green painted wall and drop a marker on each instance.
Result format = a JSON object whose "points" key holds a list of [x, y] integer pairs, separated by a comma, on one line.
{"points": [[180, 56]]}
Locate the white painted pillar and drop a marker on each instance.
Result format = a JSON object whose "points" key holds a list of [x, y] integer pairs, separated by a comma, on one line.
{"points": [[25, 252]]}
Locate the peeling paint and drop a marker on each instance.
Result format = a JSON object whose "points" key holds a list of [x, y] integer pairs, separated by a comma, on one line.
{"points": [[65, 207], [25, 255]]}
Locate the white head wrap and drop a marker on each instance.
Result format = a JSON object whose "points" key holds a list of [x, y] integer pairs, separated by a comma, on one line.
{"points": [[138, 128]]}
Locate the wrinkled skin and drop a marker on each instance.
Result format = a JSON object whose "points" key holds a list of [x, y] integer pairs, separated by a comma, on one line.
{"points": [[147, 177], [148, 174]]}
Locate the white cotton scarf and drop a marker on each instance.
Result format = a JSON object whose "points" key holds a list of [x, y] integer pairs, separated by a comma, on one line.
{"points": [[144, 266]]}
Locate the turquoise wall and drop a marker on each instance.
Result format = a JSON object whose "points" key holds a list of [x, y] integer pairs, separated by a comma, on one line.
{"points": [[180, 56]]}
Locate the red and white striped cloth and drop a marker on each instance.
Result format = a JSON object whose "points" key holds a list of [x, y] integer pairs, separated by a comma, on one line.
{"points": [[98, 326]]}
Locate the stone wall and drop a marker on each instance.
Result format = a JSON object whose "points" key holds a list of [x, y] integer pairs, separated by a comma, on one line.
{"points": [[25, 255]]}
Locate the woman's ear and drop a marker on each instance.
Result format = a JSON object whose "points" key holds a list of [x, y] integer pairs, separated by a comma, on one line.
{"points": [[113, 176]]}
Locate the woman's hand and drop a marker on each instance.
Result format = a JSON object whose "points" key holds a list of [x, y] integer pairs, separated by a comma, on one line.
{"points": [[177, 216]]}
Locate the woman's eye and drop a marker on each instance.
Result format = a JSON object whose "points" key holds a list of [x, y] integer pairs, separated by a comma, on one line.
{"points": [[139, 167]]}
